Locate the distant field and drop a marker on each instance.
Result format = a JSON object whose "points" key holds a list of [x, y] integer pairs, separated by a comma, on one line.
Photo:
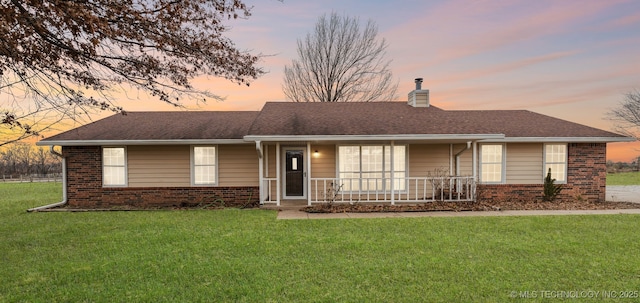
{"points": [[629, 178]]}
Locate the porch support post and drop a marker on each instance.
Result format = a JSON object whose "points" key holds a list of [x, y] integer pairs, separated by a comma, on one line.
{"points": [[474, 161], [451, 159], [266, 160], [393, 172], [260, 172], [278, 156], [308, 173]]}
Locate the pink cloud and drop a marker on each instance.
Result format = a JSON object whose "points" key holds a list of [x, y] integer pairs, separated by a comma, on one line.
{"points": [[624, 21], [448, 35], [505, 67]]}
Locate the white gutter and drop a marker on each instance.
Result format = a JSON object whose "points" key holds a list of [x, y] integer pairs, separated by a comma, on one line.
{"points": [[561, 139], [141, 142], [399, 137], [64, 185]]}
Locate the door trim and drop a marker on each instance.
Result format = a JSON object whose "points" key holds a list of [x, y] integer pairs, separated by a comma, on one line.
{"points": [[283, 171]]}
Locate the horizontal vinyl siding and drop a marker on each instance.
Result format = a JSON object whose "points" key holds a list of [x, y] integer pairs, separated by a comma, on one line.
{"points": [[158, 166], [466, 159], [237, 165], [524, 163], [323, 165], [425, 159]]}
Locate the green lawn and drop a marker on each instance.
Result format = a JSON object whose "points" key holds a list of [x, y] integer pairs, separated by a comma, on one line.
{"points": [[249, 256], [628, 178]]}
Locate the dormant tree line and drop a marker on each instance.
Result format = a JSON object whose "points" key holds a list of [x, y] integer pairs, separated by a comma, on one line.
{"points": [[27, 162]]}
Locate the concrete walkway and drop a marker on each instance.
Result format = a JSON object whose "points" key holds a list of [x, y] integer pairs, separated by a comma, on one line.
{"points": [[623, 193], [627, 193], [290, 214]]}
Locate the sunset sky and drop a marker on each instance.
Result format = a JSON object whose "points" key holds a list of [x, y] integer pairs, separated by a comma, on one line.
{"points": [[573, 60]]}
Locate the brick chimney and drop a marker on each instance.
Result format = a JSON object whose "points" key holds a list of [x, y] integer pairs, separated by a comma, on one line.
{"points": [[419, 97]]}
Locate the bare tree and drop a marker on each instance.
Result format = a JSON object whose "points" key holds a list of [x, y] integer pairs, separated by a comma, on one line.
{"points": [[627, 115], [63, 59], [340, 62], [25, 155], [43, 161], [8, 162], [24, 159]]}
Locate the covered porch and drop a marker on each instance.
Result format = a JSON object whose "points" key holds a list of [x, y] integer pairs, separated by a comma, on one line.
{"points": [[393, 172]]}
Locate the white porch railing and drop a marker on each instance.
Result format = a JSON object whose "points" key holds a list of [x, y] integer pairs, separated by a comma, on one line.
{"points": [[409, 189], [269, 190]]}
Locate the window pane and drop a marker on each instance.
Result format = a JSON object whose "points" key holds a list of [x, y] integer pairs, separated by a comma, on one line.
{"points": [[491, 153], [204, 155], [372, 181], [491, 163], [205, 174], [399, 181], [491, 172], [350, 181], [556, 159], [204, 165], [113, 166], [399, 155], [372, 158], [113, 175], [349, 158], [113, 156], [557, 171], [368, 167]]}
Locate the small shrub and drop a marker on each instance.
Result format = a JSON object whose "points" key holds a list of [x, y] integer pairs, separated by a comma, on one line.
{"points": [[440, 180], [332, 193], [551, 190]]}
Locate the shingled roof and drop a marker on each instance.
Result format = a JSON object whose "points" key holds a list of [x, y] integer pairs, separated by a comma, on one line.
{"points": [[395, 118], [183, 125], [290, 119]]}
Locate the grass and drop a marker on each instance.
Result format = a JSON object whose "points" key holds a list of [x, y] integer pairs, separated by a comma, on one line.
{"points": [[626, 178], [249, 256]]}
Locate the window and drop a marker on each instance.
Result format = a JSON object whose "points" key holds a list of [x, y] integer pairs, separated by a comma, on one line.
{"points": [[491, 163], [555, 157], [204, 165], [114, 170], [368, 167]]}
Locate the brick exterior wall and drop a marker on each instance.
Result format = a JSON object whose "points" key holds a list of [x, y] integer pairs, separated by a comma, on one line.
{"points": [[84, 188], [586, 178]]}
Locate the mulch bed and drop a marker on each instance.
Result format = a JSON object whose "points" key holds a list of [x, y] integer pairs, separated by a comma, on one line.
{"points": [[422, 207], [468, 206]]}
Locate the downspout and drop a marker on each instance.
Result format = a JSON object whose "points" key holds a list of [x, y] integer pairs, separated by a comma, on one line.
{"points": [[64, 184], [259, 149], [260, 173], [458, 157]]}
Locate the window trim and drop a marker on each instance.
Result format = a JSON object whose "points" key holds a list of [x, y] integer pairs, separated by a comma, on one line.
{"points": [[193, 166], [384, 189], [503, 164], [125, 166], [566, 162]]}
